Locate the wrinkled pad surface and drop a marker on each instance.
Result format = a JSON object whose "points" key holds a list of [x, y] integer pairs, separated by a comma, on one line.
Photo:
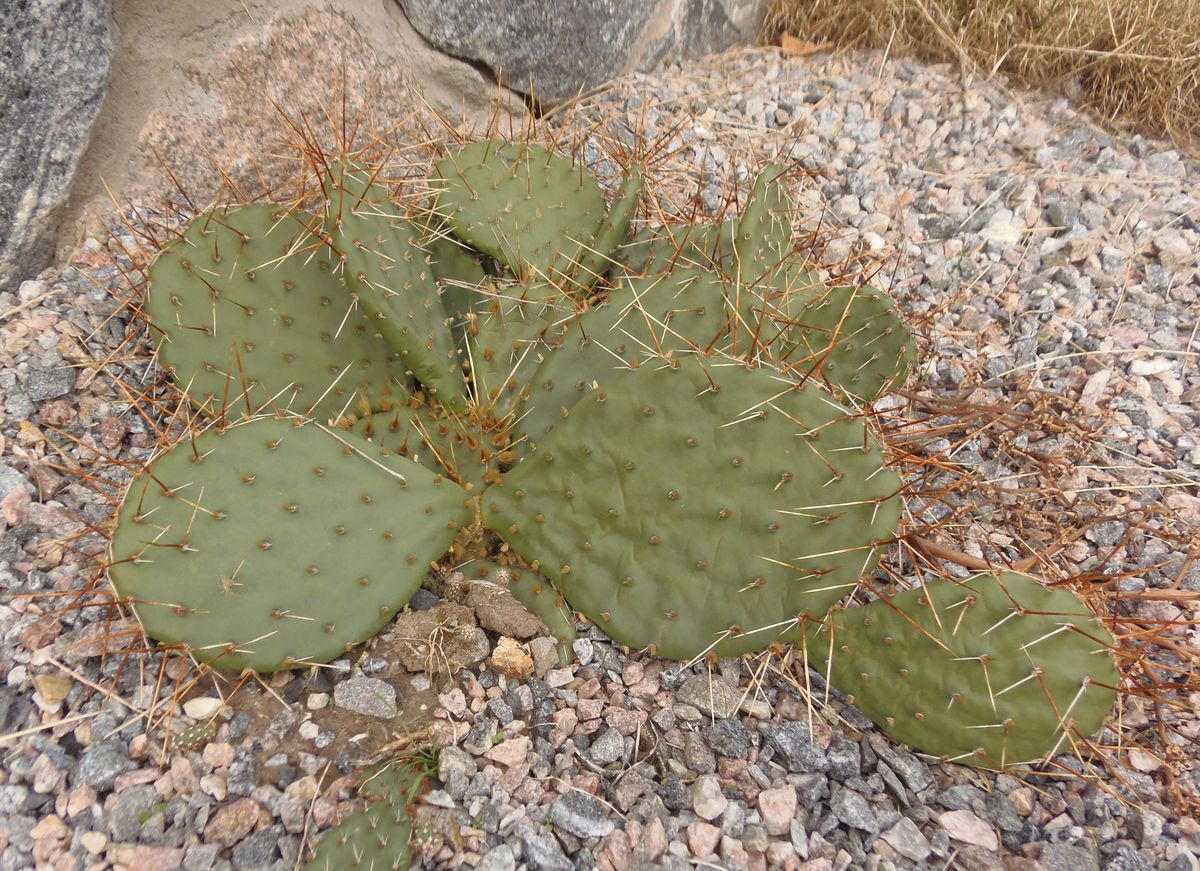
{"points": [[686, 518]]}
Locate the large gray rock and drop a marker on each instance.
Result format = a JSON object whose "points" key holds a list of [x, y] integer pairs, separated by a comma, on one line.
{"points": [[553, 48], [204, 92], [54, 62]]}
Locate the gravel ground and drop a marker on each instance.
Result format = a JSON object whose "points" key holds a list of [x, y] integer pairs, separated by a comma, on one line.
{"points": [[1037, 250]]}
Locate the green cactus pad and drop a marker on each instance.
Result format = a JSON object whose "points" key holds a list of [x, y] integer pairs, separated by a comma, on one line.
{"points": [[195, 737], [672, 315], [252, 315], [687, 517], [599, 256], [851, 336], [993, 671], [441, 442], [377, 838], [506, 347], [662, 249], [380, 254], [764, 233], [460, 280], [533, 210], [271, 545]]}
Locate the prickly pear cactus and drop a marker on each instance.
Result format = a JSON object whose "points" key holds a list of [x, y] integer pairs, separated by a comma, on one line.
{"points": [[851, 337], [441, 442], [391, 274], [659, 428], [992, 671], [532, 209], [376, 838]]}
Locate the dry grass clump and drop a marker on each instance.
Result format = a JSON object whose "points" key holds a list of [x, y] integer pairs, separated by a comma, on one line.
{"points": [[1137, 62]]}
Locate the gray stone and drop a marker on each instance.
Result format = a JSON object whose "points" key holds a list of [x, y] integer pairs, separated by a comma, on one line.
{"points": [[795, 748], [479, 739], [258, 850], [755, 838], [555, 48], [581, 815], [811, 788], [132, 808], [422, 600], [12, 797], [608, 747], [853, 810], [906, 839], [697, 755], [10, 481], [49, 383], [243, 773], [1001, 813], [201, 857], [1145, 826], [729, 738], [455, 770], [1127, 858], [711, 694], [915, 773], [368, 696], [1065, 857], [101, 764], [53, 73], [498, 859], [542, 854], [629, 789], [845, 759]]}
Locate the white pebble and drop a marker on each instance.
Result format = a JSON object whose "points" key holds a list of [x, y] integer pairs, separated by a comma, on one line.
{"points": [[202, 708]]}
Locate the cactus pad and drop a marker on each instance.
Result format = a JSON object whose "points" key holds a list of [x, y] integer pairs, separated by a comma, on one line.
{"points": [[994, 671], [252, 315], [764, 233], [273, 545], [700, 508], [379, 252], [460, 280], [851, 336], [377, 838], [600, 254], [686, 312], [661, 249], [532, 209]]}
